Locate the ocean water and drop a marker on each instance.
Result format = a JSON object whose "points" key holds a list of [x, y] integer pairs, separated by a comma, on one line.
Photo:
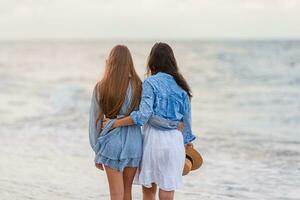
{"points": [[245, 112]]}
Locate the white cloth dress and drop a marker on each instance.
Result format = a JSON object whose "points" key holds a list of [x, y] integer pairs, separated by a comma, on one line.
{"points": [[163, 159]]}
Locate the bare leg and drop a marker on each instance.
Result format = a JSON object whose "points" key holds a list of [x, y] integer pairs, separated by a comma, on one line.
{"points": [[115, 181], [166, 195], [128, 175], [149, 193]]}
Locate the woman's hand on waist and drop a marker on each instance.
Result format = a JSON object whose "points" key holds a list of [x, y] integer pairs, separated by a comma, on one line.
{"points": [[125, 121], [180, 126], [106, 120]]}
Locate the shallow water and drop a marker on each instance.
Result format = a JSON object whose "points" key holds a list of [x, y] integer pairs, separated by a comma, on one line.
{"points": [[246, 114]]}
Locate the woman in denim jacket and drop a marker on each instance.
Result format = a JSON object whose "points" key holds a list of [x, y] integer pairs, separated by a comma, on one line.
{"points": [[166, 95]]}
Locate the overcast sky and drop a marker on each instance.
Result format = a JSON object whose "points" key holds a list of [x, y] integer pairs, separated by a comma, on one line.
{"points": [[151, 19]]}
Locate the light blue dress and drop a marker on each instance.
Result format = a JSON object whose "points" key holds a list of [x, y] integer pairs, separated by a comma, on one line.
{"points": [[120, 147]]}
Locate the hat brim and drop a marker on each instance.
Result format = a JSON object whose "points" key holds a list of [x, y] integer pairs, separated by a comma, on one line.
{"points": [[195, 156], [187, 167]]}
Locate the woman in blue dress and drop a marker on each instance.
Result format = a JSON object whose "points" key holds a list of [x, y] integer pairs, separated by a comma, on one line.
{"points": [[115, 95], [166, 95]]}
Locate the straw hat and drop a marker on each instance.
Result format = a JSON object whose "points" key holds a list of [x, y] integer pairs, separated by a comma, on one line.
{"points": [[193, 159]]}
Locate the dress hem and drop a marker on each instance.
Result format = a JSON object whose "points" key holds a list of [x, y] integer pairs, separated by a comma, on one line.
{"points": [[118, 165]]}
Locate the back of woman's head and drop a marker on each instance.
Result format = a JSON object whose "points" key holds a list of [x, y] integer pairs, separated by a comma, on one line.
{"points": [[162, 59], [111, 91]]}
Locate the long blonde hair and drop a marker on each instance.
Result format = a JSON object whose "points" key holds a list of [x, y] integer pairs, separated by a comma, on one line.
{"points": [[112, 89]]}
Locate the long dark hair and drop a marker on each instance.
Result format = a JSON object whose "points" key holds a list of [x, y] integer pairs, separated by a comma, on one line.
{"points": [[162, 59]]}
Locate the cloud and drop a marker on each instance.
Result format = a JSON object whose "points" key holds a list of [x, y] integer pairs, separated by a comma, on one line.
{"points": [[149, 18]]}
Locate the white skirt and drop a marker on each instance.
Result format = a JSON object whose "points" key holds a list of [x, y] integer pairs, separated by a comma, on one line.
{"points": [[163, 159]]}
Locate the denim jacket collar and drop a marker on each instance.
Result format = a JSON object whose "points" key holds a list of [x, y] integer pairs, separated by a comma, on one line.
{"points": [[165, 74]]}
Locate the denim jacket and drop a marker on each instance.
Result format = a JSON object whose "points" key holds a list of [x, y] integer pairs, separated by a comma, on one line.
{"points": [[162, 97]]}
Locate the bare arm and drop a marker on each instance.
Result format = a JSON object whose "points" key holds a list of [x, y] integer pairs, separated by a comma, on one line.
{"points": [[126, 121], [141, 116]]}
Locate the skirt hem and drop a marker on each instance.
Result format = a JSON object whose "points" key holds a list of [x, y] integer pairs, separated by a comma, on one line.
{"points": [[118, 164]]}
